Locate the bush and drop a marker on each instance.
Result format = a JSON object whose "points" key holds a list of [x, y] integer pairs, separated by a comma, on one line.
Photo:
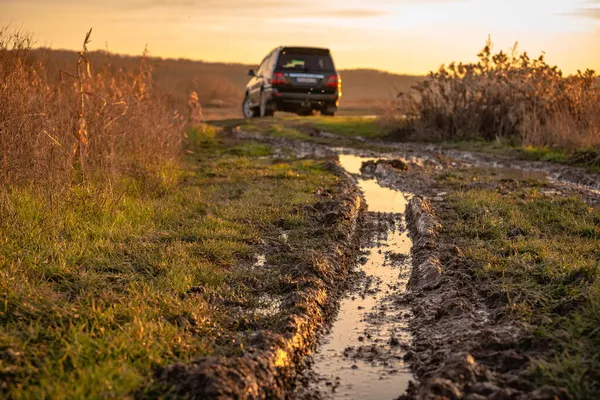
{"points": [[509, 97]]}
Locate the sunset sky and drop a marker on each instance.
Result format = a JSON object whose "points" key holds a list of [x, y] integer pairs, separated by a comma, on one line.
{"points": [[405, 36]]}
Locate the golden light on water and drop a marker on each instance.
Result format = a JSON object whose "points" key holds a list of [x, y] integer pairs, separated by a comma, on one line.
{"points": [[406, 36]]}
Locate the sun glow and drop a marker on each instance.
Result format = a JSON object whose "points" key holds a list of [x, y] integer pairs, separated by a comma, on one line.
{"points": [[406, 36]]}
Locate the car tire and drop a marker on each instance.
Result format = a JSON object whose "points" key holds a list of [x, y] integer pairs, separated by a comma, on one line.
{"points": [[328, 113], [247, 110], [264, 110]]}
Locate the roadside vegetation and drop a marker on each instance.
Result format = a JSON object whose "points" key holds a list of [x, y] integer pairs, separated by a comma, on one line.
{"points": [[126, 237], [535, 253], [59, 128], [511, 99], [585, 158]]}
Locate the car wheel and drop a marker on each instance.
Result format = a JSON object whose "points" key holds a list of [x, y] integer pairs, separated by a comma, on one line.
{"points": [[247, 110], [328, 113], [264, 110]]}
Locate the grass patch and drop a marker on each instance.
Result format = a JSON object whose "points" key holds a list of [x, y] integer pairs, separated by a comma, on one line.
{"points": [[252, 149], [275, 127], [351, 126], [102, 287], [542, 253], [283, 131], [292, 127], [543, 154], [588, 159]]}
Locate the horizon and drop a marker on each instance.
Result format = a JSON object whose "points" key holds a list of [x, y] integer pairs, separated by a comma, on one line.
{"points": [[229, 63], [404, 37]]}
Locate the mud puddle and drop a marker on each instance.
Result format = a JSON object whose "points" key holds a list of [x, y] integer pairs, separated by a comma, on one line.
{"points": [[362, 357]]}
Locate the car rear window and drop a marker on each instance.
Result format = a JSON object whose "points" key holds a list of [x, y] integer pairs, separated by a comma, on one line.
{"points": [[290, 60]]}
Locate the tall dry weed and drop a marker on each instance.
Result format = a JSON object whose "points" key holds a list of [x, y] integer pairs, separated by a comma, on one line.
{"points": [[508, 96], [57, 127]]}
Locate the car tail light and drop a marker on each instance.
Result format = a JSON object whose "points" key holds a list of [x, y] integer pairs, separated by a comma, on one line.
{"points": [[334, 81], [278, 79]]}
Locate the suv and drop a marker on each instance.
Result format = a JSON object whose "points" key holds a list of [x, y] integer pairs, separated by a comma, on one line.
{"points": [[293, 79]]}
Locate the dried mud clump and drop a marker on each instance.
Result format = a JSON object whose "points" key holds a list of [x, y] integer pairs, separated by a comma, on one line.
{"points": [[383, 168]]}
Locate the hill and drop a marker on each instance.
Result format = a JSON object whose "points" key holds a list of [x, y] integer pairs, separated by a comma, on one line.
{"points": [[220, 85]]}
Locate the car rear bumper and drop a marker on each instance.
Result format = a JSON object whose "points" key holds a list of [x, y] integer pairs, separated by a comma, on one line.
{"points": [[304, 100]]}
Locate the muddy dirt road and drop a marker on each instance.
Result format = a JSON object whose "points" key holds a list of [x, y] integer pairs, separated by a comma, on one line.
{"points": [[414, 323]]}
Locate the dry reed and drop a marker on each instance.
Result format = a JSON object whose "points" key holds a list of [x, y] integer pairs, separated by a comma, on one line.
{"points": [[507, 96], [58, 127]]}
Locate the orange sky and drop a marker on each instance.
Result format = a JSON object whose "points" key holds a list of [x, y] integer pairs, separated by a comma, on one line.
{"points": [[405, 36]]}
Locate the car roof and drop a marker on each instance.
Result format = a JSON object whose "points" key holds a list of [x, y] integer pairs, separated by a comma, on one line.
{"points": [[322, 50]]}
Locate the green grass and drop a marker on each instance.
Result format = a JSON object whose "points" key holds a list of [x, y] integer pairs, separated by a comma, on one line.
{"points": [[543, 154], [275, 127], [283, 131], [542, 253], [251, 149], [369, 128], [588, 159], [304, 129], [95, 283]]}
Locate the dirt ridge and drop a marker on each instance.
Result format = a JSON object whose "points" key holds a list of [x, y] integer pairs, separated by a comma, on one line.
{"points": [[460, 351], [427, 270], [269, 366]]}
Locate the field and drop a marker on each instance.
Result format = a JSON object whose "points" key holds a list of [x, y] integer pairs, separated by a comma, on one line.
{"points": [[153, 245], [114, 282]]}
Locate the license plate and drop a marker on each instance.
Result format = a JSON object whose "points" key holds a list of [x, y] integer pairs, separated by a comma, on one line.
{"points": [[306, 80]]}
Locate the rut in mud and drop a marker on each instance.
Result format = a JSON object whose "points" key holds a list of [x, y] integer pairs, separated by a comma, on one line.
{"points": [[362, 356]]}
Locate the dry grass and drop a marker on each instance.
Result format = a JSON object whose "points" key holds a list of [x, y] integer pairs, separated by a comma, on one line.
{"points": [[61, 126], [509, 97]]}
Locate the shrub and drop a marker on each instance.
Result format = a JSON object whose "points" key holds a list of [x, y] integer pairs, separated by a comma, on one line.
{"points": [[508, 96]]}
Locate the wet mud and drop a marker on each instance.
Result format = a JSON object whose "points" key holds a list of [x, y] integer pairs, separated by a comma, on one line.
{"points": [[557, 173], [442, 157], [363, 354], [462, 350], [285, 147]]}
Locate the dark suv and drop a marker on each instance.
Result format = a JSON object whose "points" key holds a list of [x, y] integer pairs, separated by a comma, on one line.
{"points": [[293, 79]]}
